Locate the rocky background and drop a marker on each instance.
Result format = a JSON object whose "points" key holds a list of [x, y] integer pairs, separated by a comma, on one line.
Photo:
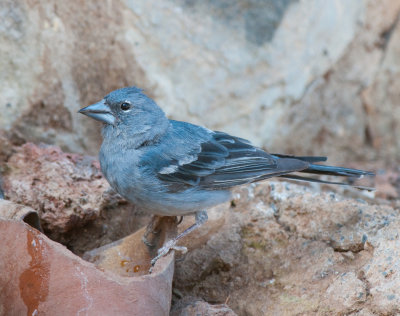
{"points": [[297, 77], [311, 77]]}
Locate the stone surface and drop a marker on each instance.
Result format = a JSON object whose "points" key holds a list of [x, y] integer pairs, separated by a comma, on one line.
{"points": [[347, 291], [381, 97], [276, 248], [306, 77], [73, 200], [190, 306], [382, 272], [56, 57], [47, 279], [285, 249], [64, 188]]}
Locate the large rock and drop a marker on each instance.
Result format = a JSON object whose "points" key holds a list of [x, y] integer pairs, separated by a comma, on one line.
{"points": [[73, 200], [284, 249], [56, 57], [304, 76], [276, 248], [66, 189]]}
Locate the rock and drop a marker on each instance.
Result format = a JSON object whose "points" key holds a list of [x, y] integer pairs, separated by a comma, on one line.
{"points": [[337, 101], [383, 273], [68, 61], [73, 200], [381, 98], [276, 248], [362, 312], [192, 307], [64, 188], [6, 148], [347, 290], [47, 279], [281, 248], [300, 77], [387, 184]]}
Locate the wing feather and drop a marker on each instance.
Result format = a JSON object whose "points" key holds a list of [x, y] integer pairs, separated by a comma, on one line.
{"points": [[224, 161]]}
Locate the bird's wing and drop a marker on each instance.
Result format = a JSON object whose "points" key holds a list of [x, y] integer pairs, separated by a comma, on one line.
{"points": [[222, 161]]}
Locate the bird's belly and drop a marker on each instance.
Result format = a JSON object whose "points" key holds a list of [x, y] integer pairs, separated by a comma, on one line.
{"points": [[148, 198], [177, 204]]}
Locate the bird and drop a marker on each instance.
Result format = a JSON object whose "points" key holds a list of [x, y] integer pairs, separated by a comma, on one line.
{"points": [[175, 168]]}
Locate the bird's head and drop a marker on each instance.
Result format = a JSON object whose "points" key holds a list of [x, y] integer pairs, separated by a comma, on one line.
{"points": [[127, 106], [129, 114]]}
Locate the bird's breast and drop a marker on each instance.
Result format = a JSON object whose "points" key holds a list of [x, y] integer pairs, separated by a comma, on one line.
{"points": [[120, 170]]}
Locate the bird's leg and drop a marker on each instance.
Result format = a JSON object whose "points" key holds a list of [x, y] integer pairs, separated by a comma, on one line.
{"points": [[180, 220], [201, 217], [152, 229]]}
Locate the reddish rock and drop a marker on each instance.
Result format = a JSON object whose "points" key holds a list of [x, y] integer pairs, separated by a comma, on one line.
{"points": [[73, 200], [65, 188]]}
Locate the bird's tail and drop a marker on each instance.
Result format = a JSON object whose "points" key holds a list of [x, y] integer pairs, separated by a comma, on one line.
{"points": [[326, 170]]}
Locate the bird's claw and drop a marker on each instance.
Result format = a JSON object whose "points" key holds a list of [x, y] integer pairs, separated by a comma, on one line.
{"points": [[163, 251], [146, 242]]}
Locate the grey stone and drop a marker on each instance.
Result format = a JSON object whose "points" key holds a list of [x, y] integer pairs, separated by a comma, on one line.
{"points": [[308, 77]]}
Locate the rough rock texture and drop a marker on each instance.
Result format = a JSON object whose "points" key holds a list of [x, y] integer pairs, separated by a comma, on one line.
{"points": [[285, 249], [56, 56], [74, 202], [63, 187], [276, 248], [296, 76], [6, 149], [193, 307]]}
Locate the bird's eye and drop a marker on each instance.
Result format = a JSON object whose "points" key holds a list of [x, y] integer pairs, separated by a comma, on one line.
{"points": [[125, 106]]}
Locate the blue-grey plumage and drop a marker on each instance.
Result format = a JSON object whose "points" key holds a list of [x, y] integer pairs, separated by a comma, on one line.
{"points": [[176, 168]]}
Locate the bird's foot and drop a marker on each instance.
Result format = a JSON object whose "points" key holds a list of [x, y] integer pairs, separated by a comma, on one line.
{"points": [[163, 251], [146, 242], [201, 217]]}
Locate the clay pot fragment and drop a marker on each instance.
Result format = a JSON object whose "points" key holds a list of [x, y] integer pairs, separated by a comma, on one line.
{"points": [[42, 277]]}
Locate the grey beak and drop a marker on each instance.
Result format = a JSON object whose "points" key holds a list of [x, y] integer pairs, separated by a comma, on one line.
{"points": [[100, 112]]}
